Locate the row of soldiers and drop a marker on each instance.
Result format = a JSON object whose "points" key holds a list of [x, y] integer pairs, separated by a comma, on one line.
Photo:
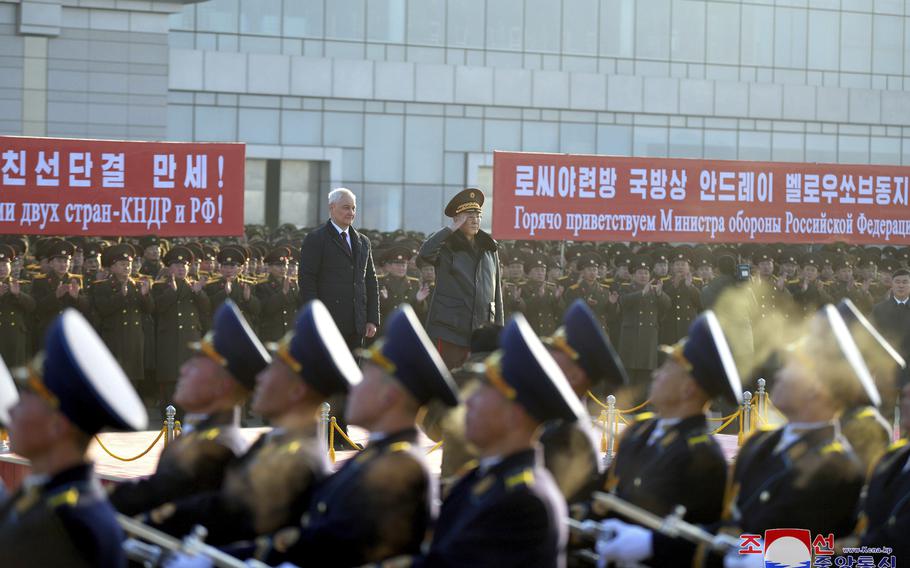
{"points": [[260, 277], [278, 500]]}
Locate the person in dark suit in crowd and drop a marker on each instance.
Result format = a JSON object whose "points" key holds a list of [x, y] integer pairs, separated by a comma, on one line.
{"points": [[468, 291], [336, 267], [892, 316]]}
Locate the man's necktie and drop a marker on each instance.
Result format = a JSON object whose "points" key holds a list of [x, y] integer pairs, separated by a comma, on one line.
{"points": [[347, 243]]}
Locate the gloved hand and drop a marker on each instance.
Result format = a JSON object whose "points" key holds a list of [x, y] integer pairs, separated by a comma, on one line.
{"points": [[183, 560], [734, 559], [629, 543]]}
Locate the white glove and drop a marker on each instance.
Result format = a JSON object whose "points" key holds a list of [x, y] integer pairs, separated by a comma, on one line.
{"points": [[630, 543], [182, 560], [734, 559]]}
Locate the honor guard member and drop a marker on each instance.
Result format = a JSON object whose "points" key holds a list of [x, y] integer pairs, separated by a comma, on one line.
{"points": [[540, 301], [885, 517], [642, 305], [150, 248], [231, 285], [861, 423], [278, 296], [57, 289], [181, 307], [212, 386], [581, 349], [881, 290], [685, 300], [508, 510], [271, 485], [16, 311], [395, 286], [803, 474], [669, 458], [120, 303], [602, 301], [379, 504], [60, 515]]}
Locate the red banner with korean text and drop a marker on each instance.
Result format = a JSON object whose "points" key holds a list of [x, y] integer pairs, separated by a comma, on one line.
{"points": [[60, 186], [609, 198]]}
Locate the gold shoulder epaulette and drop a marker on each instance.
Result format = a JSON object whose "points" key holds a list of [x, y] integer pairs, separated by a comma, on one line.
{"points": [[524, 477], [642, 416], [400, 447], [833, 447], [695, 440], [39, 276], [413, 279], [574, 287], [897, 445], [792, 282], [867, 412], [68, 498]]}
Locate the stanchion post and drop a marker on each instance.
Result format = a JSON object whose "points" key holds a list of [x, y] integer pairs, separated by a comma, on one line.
{"points": [[760, 405], [170, 413], [747, 412], [324, 411], [611, 429]]}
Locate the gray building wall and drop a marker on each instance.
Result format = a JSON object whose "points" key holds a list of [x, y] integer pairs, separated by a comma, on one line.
{"points": [[404, 101]]}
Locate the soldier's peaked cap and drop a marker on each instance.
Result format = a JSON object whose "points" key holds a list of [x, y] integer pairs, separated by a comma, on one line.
{"points": [[470, 199], [233, 344], [524, 371], [581, 337], [406, 353], [706, 354], [316, 350]]}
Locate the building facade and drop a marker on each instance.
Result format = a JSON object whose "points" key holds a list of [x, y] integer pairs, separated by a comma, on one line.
{"points": [[404, 101]]}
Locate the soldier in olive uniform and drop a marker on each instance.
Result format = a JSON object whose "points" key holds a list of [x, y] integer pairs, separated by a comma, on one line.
{"points": [[120, 303], [845, 286], [232, 285], [180, 306], [809, 291], [685, 300], [150, 248], [427, 284], [512, 282], [56, 290], [771, 294], [602, 302], [540, 301], [642, 305], [16, 309], [279, 296], [91, 265], [395, 286]]}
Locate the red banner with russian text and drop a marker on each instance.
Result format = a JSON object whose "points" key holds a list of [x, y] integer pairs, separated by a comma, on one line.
{"points": [[61, 186], [610, 198]]}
